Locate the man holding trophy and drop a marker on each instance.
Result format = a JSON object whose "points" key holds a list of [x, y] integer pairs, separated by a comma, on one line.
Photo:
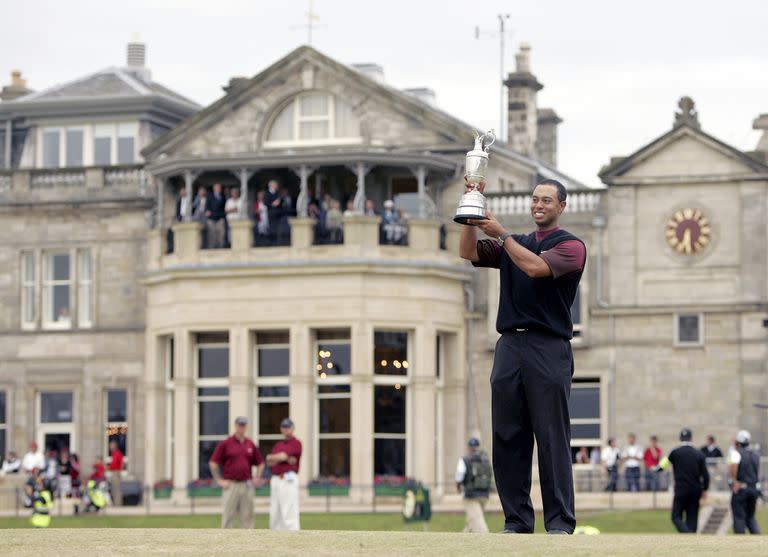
{"points": [[533, 361]]}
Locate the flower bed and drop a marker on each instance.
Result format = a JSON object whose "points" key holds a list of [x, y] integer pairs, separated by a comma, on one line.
{"points": [[162, 489], [389, 486], [329, 485], [203, 488]]}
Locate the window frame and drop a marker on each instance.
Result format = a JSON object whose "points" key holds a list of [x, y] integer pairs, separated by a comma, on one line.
{"points": [[88, 130], [26, 284], [81, 285], [209, 382], [676, 325], [48, 285], [268, 381], [331, 380], [294, 103]]}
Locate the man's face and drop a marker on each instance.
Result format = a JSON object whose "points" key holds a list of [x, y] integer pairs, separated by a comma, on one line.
{"points": [[654, 442], [286, 431], [368, 204], [201, 192], [240, 429], [545, 208], [217, 188], [631, 439]]}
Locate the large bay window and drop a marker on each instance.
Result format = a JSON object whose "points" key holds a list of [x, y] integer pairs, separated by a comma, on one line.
{"points": [[212, 363], [63, 283]]}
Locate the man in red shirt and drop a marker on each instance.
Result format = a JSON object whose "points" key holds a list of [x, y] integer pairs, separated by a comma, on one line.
{"points": [[284, 486], [651, 459], [115, 469], [231, 464]]}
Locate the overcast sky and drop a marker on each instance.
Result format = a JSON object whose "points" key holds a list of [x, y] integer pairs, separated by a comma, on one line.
{"points": [[613, 71]]}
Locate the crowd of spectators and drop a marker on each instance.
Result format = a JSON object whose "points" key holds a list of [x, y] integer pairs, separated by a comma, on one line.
{"points": [[270, 211], [61, 473], [633, 462]]}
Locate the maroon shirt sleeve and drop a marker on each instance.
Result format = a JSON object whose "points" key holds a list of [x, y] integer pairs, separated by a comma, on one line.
{"points": [[218, 453], [488, 253], [566, 257]]}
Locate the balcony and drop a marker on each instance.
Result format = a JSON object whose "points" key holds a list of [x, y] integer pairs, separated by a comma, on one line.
{"points": [[426, 242], [72, 184], [515, 208]]}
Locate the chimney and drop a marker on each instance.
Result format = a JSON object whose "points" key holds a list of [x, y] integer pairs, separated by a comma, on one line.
{"points": [[761, 123], [522, 113], [546, 135], [235, 83], [424, 94], [374, 71], [136, 60], [17, 88]]}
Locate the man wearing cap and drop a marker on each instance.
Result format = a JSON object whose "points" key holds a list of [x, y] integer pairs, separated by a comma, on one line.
{"points": [[744, 469], [691, 482], [473, 477], [284, 485], [533, 359], [231, 465]]}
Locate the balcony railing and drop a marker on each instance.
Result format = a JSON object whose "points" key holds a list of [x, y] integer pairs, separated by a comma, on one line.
{"points": [[520, 204], [56, 178], [70, 180]]}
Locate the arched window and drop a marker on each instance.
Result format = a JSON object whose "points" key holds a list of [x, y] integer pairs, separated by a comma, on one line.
{"points": [[315, 118]]}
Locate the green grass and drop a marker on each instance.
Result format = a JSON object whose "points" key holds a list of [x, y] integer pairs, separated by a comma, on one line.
{"points": [[625, 522], [164, 542]]}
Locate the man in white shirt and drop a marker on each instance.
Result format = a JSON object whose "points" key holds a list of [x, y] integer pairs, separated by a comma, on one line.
{"points": [[33, 460], [11, 465], [632, 455], [610, 458]]}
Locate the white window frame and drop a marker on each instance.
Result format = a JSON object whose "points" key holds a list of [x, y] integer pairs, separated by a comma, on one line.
{"points": [[82, 285], [169, 361], [45, 428], [89, 135], [48, 285], [440, 371], [28, 283], [108, 425], [589, 383], [295, 105], [202, 383], [407, 363], [328, 381], [273, 381], [676, 325]]}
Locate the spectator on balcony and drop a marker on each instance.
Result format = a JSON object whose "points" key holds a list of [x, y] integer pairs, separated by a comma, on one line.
{"points": [[370, 209], [261, 215], [199, 205], [334, 222], [631, 456], [350, 210], [287, 209], [651, 459], [610, 459], [234, 206], [711, 450], [181, 205], [274, 205], [216, 217], [392, 224]]}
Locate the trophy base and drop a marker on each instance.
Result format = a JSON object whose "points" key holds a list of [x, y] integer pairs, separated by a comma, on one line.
{"points": [[462, 219]]}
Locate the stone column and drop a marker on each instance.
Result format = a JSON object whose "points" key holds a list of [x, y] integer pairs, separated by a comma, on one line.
{"points": [[361, 230], [421, 187], [452, 237], [424, 234], [189, 178], [160, 220], [421, 423], [302, 203], [154, 411], [244, 174], [184, 410], [155, 240], [94, 178], [301, 398], [361, 457], [241, 234], [186, 238], [302, 231], [240, 382], [7, 146], [360, 169]]}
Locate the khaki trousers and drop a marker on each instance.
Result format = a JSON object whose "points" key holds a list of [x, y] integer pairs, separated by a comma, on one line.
{"points": [[475, 510], [284, 503], [238, 501], [116, 488]]}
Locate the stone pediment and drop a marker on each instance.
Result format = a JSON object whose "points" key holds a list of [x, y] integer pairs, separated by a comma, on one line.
{"points": [[684, 152], [240, 121]]}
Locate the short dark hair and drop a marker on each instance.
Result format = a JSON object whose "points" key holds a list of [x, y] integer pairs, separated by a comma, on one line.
{"points": [[562, 193]]}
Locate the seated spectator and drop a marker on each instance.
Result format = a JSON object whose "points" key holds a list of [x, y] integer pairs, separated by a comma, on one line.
{"points": [[651, 459], [233, 207], [99, 473], [393, 228], [33, 460], [369, 210], [63, 316], [350, 210], [334, 223], [11, 465], [582, 457], [181, 205], [216, 217]]}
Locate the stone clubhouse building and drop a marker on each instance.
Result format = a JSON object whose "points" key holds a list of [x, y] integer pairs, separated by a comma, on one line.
{"points": [[119, 324]]}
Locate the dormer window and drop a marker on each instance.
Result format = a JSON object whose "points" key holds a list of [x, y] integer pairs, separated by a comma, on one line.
{"points": [[315, 118]]}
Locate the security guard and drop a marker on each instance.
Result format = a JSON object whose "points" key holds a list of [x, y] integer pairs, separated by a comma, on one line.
{"points": [[691, 482], [744, 466], [42, 503], [474, 475]]}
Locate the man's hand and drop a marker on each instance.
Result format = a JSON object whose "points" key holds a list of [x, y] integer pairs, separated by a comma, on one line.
{"points": [[258, 481], [223, 483], [490, 226], [470, 187], [292, 460], [703, 499], [207, 213]]}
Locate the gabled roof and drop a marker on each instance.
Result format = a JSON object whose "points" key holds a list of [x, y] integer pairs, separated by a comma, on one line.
{"points": [[620, 166], [453, 129], [109, 83]]}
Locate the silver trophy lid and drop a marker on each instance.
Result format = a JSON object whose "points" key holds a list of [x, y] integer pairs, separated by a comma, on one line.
{"points": [[483, 142]]}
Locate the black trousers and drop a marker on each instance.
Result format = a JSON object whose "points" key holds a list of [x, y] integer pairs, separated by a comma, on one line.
{"points": [[743, 509], [530, 386], [687, 503]]}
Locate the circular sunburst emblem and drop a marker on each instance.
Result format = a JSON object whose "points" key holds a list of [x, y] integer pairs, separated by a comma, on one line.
{"points": [[688, 231]]}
